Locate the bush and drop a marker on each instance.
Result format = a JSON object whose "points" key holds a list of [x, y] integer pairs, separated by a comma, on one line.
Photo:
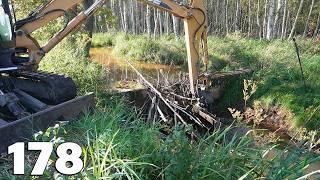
{"points": [[68, 58], [103, 40], [163, 50]]}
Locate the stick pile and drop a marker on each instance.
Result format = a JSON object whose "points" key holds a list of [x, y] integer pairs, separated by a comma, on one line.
{"points": [[172, 103]]}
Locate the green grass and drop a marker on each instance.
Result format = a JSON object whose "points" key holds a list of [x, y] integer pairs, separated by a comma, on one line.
{"points": [[277, 71], [103, 40], [164, 50]]}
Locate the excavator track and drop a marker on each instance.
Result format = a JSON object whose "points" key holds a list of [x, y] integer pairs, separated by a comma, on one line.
{"points": [[48, 87], [45, 99]]}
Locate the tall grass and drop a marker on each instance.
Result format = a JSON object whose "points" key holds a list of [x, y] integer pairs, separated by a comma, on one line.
{"points": [[164, 49], [277, 70], [117, 144]]}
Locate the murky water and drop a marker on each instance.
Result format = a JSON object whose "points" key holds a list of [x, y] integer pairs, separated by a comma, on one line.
{"points": [[121, 74]]}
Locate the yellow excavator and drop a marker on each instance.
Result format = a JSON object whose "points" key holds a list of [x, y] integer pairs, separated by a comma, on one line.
{"points": [[32, 100]]}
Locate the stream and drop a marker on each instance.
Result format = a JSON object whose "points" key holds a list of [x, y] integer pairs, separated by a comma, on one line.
{"points": [[121, 76]]}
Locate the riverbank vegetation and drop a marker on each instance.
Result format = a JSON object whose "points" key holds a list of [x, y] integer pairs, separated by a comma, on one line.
{"points": [[275, 66]]}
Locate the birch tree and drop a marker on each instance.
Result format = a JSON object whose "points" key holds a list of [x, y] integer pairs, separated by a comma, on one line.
{"points": [[296, 20], [306, 28], [271, 19]]}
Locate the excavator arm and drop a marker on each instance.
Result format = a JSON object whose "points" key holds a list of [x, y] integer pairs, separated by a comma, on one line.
{"points": [[195, 24], [41, 17], [44, 14]]}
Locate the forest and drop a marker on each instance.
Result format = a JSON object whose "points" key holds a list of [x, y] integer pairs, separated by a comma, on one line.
{"points": [[268, 117], [261, 19]]}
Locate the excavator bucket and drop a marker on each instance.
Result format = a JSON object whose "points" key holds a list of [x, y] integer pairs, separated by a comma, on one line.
{"points": [[23, 129]]}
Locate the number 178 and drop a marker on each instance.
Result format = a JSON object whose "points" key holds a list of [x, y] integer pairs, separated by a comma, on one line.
{"points": [[68, 162]]}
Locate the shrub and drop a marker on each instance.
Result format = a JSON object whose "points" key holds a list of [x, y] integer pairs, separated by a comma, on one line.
{"points": [[103, 40]]}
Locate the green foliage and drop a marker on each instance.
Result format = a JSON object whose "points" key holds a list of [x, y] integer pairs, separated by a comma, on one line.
{"points": [[285, 163], [103, 40], [276, 68], [67, 58], [24, 8], [163, 50], [106, 18]]}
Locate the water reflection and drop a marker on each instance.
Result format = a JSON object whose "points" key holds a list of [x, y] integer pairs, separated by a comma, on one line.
{"points": [[122, 76]]}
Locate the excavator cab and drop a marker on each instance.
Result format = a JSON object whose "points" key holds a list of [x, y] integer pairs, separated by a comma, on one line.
{"points": [[7, 38]]}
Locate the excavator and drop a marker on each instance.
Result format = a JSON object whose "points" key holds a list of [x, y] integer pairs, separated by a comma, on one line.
{"points": [[31, 100]]}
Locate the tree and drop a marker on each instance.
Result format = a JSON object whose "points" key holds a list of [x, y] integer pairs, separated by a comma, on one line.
{"points": [[306, 28], [89, 28], [284, 19], [148, 19], [260, 31], [176, 24], [296, 20], [317, 29], [237, 18], [266, 19], [275, 24], [271, 19]]}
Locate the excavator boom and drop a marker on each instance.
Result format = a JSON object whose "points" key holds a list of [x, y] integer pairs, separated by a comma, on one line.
{"points": [[41, 17], [194, 16]]}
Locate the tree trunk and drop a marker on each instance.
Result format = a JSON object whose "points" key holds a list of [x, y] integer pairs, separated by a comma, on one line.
{"points": [[226, 16], [148, 19], [249, 19], [271, 19], [89, 28], [133, 21], [121, 15], [260, 31], [125, 17], [265, 19], [175, 22], [161, 29], [306, 28], [296, 20], [316, 31], [287, 23], [156, 23], [275, 24], [284, 19], [237, 18], [167, 23]]}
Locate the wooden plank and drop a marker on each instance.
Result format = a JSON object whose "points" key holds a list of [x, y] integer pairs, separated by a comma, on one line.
{"points": [[23, 129]]}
